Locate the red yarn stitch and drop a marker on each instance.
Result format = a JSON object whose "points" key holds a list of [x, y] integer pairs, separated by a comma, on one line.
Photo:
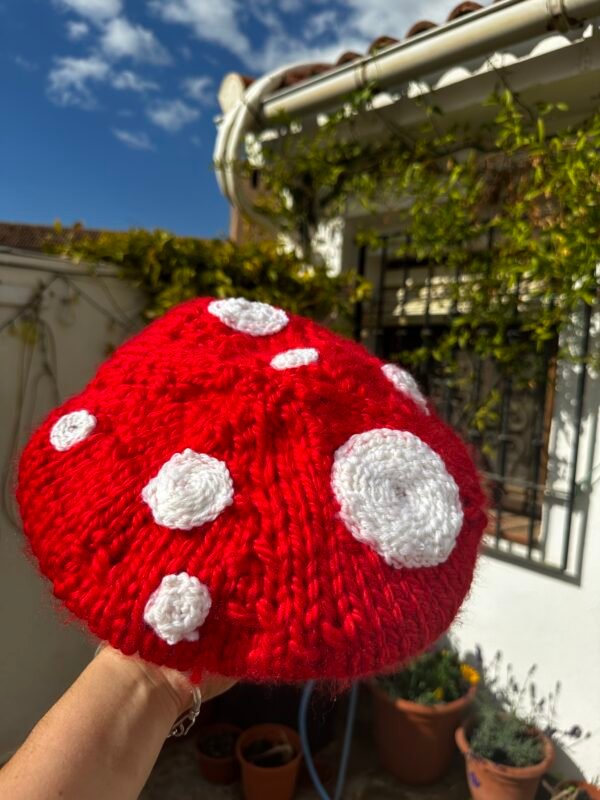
{"points": [[294, 594]]}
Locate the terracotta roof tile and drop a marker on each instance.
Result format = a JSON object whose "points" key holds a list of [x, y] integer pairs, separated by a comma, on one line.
{"points": [[34, 237], [420, 27], [305, 72], [347, 57], [380, 43], [463, 8]]}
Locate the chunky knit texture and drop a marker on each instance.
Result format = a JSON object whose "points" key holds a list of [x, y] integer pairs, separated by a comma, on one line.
{"points": [[241, 491]]}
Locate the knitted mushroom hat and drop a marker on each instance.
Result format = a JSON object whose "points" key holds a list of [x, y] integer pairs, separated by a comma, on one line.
{"points": [[241, 491]]}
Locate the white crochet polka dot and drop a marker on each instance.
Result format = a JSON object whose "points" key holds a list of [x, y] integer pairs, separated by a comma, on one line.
{"points": [[396, 496], [247, 316], [178, 608], [71, 429], [189, 490], [299, 357], [405, 383]]}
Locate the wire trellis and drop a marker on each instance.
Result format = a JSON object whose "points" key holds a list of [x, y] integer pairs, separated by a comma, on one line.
{"points": [[37, 362]]}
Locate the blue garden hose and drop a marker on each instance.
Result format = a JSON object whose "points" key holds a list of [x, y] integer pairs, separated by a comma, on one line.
{"points": [[302, 726]]}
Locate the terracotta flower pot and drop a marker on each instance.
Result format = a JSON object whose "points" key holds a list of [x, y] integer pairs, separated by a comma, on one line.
{"points": [[593, 791], [272, 782], [490, 781], [416, 742], [215, 767]]}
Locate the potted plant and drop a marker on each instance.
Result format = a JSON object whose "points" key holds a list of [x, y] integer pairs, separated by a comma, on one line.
{"points": [[269, 756], [576, 790], [508, 746], [416, 712], [505, 755], [216, 752]]}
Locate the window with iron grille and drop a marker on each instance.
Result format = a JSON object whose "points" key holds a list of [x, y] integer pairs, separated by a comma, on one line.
{"points": [[526, 446]]}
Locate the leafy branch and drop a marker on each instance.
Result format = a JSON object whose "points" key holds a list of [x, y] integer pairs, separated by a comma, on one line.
{"points": [[170, 269], [512, 208]]}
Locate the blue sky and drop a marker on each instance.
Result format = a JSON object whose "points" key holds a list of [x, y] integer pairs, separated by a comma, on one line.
{"points": [[108, 106]]}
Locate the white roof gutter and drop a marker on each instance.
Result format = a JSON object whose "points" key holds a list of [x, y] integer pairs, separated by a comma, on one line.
{"points": [[479, 33], [469, 36]]}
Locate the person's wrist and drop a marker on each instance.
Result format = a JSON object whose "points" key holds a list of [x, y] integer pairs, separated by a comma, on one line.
{"points": [[164, 686]]}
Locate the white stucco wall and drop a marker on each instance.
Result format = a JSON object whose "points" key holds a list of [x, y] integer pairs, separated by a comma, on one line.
{"points": [[41, 654], [532, 618]]}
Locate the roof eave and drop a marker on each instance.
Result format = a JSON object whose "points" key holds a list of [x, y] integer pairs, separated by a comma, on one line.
{"points": [[483, 31]]}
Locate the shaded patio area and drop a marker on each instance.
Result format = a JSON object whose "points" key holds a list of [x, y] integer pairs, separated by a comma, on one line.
{"points": [[176, 775]]}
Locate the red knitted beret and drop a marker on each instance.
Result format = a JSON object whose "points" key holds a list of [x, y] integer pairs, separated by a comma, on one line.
{"points": [[241, 491]]}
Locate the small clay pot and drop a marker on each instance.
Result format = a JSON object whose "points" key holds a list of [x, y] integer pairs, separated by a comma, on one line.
{"points": [[593, 791], [490, 781], [214, 767], [416, 742], [272, 782]]}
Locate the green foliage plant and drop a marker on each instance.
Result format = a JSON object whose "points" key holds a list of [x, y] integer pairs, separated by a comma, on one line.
{"points": [[510, 715], [572, 792], [510, 212], [505, 739], [170, 269], [434, 677]]}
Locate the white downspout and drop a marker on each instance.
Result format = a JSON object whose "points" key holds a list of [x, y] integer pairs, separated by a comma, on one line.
{"points": [[241, 119]]}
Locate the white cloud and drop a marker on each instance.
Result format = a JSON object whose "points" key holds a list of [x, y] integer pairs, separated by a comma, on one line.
{"points": [[199, 88], [347, 25], [220, 23], [137, 141], [289, 6], [77, 30], [172, 115], [96, 10], [380, 17], [318, 24], [267, 14], [213, 22], [69, 79], [128, 80], [25, 63], [279, 50], [120, 38]]}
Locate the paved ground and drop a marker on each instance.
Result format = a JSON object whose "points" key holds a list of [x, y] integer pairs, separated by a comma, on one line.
{"points": [[176, 777]]}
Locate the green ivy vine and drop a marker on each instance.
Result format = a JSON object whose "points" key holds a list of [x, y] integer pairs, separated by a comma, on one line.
{"points": [[170, 269], [510, 211]]}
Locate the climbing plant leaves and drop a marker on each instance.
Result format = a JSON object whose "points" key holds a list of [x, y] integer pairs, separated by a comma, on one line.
{"points": [[170, 269]]}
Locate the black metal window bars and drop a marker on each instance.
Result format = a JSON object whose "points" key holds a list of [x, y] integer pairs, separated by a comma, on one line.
{"points": [[530, 457]]}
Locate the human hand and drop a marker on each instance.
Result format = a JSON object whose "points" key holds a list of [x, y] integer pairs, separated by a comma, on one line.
{"points": [[175, 684], [102, 737]]}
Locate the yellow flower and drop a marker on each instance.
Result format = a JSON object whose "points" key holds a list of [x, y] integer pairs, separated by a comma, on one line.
{"points": [[469, 674], [438, 693]]}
